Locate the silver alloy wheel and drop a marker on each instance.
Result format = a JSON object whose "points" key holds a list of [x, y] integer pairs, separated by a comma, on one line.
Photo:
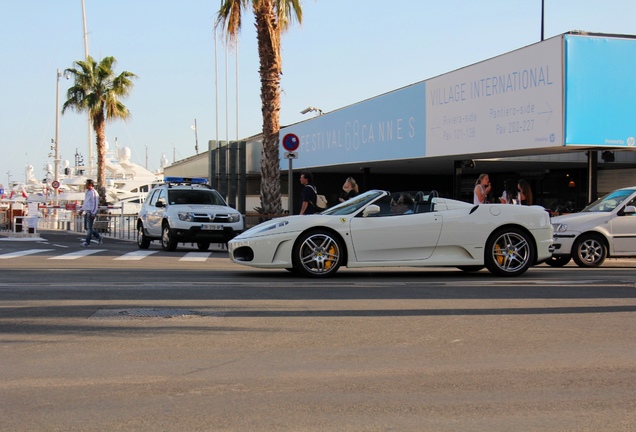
{"points": [[318, 254], [509, 252], [589, 251], [168, 243], [142, 240]]}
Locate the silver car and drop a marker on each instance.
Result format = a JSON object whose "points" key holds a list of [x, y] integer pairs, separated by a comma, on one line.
{"points": [[605, 228]]}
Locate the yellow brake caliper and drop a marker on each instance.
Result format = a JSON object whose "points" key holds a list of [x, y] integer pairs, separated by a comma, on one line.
{"points": [[329, 262], [499, 256]]}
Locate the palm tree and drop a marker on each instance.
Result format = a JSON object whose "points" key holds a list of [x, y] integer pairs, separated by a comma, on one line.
{"points": [[98, 91], [272, 18]]}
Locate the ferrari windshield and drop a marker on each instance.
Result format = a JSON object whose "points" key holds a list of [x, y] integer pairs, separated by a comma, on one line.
{"points": [[609, 202], [354, 204]]}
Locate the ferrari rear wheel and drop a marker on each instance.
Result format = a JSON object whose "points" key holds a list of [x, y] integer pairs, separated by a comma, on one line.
{"points": [[318, 254], [509, 252]]}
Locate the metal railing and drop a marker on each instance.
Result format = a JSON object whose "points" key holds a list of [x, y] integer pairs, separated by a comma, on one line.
{"points": [[113, 225]]}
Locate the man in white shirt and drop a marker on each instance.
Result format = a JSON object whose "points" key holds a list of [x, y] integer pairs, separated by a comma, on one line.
{"points": [[89, 208]]}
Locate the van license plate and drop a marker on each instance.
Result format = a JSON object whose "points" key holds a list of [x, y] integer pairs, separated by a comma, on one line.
{"points": [[211, 227]]}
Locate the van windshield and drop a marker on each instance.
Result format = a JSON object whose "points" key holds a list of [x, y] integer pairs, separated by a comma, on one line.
{"points": [[208, 197]]}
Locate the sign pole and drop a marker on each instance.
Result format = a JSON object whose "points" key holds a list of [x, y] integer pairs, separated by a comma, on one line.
{"points": [[290, 189], [290, 143]]}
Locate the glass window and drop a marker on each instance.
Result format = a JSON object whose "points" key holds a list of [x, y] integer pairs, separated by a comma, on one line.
{"points": [[162, 197], [153, 197], [195, 196], [610, 201]]}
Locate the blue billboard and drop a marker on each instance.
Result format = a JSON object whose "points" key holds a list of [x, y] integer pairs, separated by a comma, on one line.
{"points": [[600, 91], [388, 127]]}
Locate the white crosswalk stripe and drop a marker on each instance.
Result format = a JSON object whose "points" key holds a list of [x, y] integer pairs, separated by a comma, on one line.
{"points": [[77, 254], [23, 253], [196, 256], [136, 255]]}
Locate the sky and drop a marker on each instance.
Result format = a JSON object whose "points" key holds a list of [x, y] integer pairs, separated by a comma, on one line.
{"points": [[345, 51]]}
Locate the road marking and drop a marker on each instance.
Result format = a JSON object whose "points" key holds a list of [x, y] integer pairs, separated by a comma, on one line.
{"points": [[23, 253], [196, 256], [135, 256], [77, 254]]}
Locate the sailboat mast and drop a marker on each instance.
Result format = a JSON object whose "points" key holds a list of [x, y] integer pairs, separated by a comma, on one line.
{"points": [[90, 143]]}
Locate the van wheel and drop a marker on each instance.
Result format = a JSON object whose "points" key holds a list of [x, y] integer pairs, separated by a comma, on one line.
{"points": [[168, 242], [142, 241]]}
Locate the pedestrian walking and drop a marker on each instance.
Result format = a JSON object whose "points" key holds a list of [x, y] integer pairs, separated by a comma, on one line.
{"points": [[308, 195], [89, 209]]}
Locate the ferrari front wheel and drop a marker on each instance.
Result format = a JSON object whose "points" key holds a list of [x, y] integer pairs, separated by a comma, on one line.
{"points": [[509, 252], [318, 254]]}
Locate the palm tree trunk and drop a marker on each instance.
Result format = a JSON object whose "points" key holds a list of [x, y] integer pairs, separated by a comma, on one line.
{"points": [[100, 132], [268, 38]]}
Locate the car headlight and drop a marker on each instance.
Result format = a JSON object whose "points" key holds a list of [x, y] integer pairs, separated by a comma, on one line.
{"points": [[560, 227], [186, 217], [234, 217], [258, 229]]}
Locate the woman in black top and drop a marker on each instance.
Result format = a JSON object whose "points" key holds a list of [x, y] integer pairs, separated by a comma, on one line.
{"points": [[525, 193], [349, 189]]}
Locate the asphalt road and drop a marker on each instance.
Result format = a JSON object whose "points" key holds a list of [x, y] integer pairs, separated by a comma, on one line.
{"points": [[186, 341]]}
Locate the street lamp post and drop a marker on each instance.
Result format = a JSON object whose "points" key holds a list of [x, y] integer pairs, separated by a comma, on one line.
{"points": [[196, 137], [57, 135]]}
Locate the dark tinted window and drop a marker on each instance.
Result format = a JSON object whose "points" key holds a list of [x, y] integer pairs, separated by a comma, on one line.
{"points": [[195, 196]]}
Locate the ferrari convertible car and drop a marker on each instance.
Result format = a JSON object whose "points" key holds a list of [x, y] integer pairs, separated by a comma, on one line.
{"points": [[405, 229]]}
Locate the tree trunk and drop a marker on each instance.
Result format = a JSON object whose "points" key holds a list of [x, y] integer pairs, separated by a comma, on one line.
{"points": [[100, 132], [268, 36]]}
